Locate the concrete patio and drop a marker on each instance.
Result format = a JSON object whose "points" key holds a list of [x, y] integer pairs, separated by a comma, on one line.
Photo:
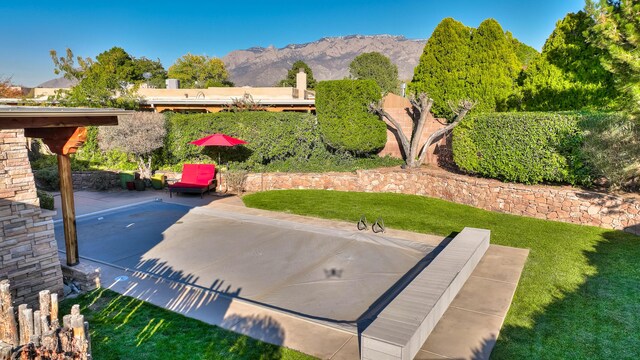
{"points": [[468, 329]]}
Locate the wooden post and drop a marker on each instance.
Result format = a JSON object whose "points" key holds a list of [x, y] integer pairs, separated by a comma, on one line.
{"points": [[68, 209]]}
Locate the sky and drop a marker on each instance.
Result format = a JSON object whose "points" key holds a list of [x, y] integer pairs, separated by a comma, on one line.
{"points": [[166, 30]]}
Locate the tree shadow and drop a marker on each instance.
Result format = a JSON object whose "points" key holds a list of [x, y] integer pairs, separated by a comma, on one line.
{"points": [[598, 319], [121, 238]]}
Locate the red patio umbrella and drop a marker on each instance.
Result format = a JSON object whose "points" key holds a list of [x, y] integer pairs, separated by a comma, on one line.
{"points": [[218, 140]]}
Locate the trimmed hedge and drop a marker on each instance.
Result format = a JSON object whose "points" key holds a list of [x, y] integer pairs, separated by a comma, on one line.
{"points": [[343, 114], [270, 136], [522, 147]]}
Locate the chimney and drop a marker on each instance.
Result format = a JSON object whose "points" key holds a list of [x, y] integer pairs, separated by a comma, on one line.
{"points": [[301, 83]]}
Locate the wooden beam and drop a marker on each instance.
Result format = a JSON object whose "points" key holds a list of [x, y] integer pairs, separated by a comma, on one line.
{"points": [[65, 140], [21, 122], [68, 209]]}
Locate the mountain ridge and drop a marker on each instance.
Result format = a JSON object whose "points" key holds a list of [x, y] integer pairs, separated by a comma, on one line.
{"points": [[328, 57]]}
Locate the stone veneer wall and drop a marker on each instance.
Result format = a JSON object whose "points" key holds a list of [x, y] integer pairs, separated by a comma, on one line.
{"points": [[28, 251], [559, 203], [85, 180]]}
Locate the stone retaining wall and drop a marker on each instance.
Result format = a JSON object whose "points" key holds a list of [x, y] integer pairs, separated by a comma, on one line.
{"points": [[559, 203], [95, 180], [28, 251]]}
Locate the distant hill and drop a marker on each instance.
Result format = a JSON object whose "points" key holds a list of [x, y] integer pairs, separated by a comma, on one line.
{"points": [[329, 58], [60, 82]]}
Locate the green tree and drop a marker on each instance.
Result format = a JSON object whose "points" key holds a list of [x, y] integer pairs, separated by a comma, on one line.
{"points": [[109, 81], [492, 68], [155, 70], [459, 62], [617, 33], [525, 53], [344, 118], [377, 67], [441, 72], [568, 75], [199, 71], [290, 80]]}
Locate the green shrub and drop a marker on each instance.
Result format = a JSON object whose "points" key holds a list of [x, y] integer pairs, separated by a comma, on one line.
{"points": [[48, 178], [343, 114], [270, 136], [46, 200], [522, 147], [612, 149]]}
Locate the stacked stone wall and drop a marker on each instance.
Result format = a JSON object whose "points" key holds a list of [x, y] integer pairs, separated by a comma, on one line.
{"points": [[558, 203], [28, 251], [95, 180]]}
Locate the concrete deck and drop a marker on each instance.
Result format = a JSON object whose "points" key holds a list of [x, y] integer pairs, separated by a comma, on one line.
{"points": [[467, 330]]}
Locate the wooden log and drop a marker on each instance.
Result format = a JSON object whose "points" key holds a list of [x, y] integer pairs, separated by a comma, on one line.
{"points": [[44, 324], [68, 209], [5, 296], [49, 341], [37, 323], [54, 307], [25, 336], [5, 351], [45, 302], [75, 309], [77, 322], [11, 327], [22, 323], [66, 321]]}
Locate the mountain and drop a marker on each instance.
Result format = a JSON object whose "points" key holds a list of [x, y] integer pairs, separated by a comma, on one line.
{"points": [[329, 58], [60, 82]]}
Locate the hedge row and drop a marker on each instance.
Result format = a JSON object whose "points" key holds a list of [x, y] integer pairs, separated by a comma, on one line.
{"points": [[276, 142], [523, 147], [345, 121], [270, 136]]}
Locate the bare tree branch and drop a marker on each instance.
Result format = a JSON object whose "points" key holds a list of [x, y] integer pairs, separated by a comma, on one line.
{"points": [[379, 110], [464, 106]]}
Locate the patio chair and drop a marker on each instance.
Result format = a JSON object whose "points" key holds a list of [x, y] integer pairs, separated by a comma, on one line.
{"points": [[196, 178]]}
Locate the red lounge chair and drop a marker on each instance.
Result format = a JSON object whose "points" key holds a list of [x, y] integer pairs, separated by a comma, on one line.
{"points": [[196, 178]]}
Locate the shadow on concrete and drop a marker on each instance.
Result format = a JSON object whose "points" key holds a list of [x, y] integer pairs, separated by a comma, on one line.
{"points": [[483, 351], [595, 320]]}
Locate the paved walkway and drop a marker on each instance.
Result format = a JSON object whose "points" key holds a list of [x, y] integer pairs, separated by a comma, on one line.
{"points": [[468, 329]]}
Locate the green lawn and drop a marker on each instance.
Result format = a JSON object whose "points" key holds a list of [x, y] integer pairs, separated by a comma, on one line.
{"points": [[579, 295], [122, 327]]}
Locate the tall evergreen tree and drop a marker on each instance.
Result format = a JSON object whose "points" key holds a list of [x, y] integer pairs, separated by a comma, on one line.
{"points": [[442, 70], [493, 67], [568, 75], [290, 80], [617, 33]]}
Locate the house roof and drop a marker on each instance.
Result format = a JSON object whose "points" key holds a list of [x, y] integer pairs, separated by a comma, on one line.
{"points": [[24, 117]]}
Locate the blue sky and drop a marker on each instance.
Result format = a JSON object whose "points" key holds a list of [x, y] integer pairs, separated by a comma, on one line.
{"points": [[166, 30]]}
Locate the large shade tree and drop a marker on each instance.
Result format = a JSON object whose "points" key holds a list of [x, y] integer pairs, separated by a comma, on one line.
{"points": [[109, 80], [199, 71], [377, 67]]}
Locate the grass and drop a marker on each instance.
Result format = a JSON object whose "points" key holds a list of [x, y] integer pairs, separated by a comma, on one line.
{"points": [[579, 294], [122, 327]]}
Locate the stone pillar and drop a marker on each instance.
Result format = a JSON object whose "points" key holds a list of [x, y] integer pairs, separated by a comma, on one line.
{"points": [[28, 251]]}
